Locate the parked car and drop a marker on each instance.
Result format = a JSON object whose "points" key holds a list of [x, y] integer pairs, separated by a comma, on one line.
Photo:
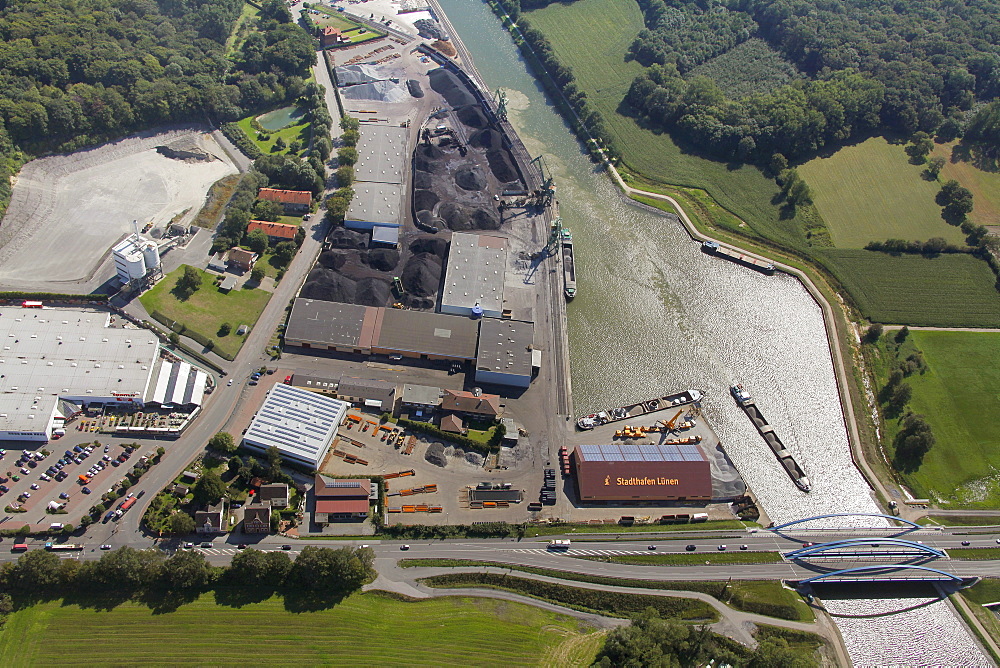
{"points": [[63, 495], [86, 490], [34, 485], [107, 448], [4, 488], [188, 546], [105, 547], [45, 477], [206, 544], [252, 382]]}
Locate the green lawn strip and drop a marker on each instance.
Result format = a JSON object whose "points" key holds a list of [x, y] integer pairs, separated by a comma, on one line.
{"points": [[689, 558], [975, 553], [290, 220], [961, 521], [614, 604], [559, 529], [871, 192], [289, 134], [209, 307], [987, 619], [959, 395], [763, 597], [451, 631]]}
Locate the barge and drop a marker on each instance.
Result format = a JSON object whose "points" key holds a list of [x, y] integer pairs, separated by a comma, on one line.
{"points": [[792, 468], [713, 248], [569, 268], [640, 408]]}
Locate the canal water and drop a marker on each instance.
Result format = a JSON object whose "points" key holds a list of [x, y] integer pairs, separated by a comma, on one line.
{"points": [[654, 315]]}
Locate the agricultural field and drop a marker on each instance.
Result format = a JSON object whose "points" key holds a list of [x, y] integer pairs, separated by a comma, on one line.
{"points": [[871, 192], [946, 291], [750, 68], [365, 629], [959, 395], [206, 310], [985, 186], [292, 127]]}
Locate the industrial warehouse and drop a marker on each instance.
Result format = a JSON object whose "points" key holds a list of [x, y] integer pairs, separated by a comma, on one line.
{"points": [[653, 472]]}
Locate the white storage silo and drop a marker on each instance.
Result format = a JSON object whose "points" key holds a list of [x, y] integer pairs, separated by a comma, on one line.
{"points": [[151, 254], [135, 264]]}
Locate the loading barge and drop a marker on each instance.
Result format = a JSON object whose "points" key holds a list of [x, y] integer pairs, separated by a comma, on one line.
{"points": [[641, 408], [569, 268], [749, 406], [713, 248]]}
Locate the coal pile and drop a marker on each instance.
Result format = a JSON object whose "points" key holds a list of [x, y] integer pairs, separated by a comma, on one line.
{"points": [[422, 164], [485, 219], [455, 216], [422, 180], [328, 285], [450, 87], [428, 221], [430, 152], [333, 259], [382, 259], [342, 237], [422, 275], [425, 200], [428, 29], [371, 292], [472, 116], [486, 138], [470, 178], [433, 245], [414, 87], [501, 165], [425, 303]]}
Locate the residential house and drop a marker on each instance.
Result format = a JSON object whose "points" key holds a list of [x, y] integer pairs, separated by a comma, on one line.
{"points": [[294, 201], [454, 424], [275, 231], [331, 36], [212, 520], [472, 404], [242, 260], [257, 518], [340, 500], [275, 493], [420, 399]]}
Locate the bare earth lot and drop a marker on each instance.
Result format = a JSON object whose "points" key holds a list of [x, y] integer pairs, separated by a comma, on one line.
{"points": [[68, 210]]}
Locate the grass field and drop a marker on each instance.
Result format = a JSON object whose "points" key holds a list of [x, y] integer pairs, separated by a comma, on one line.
{"points": [[367, 630], [946, 291], [959, 394], [242, 28], [354, 31], [985, 186], [209, 307], [750, 68], [299, 131], [870, 192]]}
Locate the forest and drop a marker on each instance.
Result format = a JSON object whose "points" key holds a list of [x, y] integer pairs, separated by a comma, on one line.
{"points": [[872, 65], [77, 72]]}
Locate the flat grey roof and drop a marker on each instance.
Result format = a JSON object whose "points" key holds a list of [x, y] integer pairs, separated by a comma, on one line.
{"points": [[72, 353], [299, 423], [381, 154], [385, 235], [505, 346], [327, 323], [379, 203], [423, 395], [477, 265], [422, 332], [367, 388]]}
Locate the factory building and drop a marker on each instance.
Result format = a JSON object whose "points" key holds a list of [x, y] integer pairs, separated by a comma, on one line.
{"points": [[505, 352], [378, 182], [134, 257], [629, 473], [474, 279], [375, 205], [299, 423], [345, 328], [55, 358]]}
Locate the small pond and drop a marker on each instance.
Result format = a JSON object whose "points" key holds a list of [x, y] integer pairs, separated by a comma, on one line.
{"points": [[280, 118]]}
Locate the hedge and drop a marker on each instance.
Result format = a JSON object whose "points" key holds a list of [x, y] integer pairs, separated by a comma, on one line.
{"points": [[53, 296], [436, 432], [239, 139], [615, 604]]}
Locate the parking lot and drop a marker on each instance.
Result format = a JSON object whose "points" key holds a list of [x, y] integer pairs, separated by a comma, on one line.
{"points": [[31, 480]]}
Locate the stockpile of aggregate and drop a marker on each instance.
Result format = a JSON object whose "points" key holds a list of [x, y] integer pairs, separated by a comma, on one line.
{"points": [[333, 259], [342, 237], [328, 285], [431, 152], [422, 275], [423, 164], [429, 29], [419, 302], [422, 180], [381, 91], [349, 75], [455, 216], [433, 245], [450, 87], [425, 200], [501, 165], [470, 178], [372, 292], [486, 138], [383, 259], [485, 219], [428, 219], [414, 87], [435, 455], [472, 116]]}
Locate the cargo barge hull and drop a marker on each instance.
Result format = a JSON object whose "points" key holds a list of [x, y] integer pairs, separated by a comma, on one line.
{"points": [[792, 468]]}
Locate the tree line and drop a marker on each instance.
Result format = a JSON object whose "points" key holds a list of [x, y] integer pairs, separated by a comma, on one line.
{"points": [[77, 73]]}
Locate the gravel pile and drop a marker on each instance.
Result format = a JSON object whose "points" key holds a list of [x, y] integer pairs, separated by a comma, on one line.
{"points": [[382, 259], [470, 178], [501, 165], [422, 275], [372, 292], [416, 90], [472, 116], [348, 75], [381, 91], [429, 29], [435, 455], [450, 87], [425, 200], [487, 138], [328, 285]]}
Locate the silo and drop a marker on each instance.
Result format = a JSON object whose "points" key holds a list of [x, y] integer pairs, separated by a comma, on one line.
{"points": [[151, 254], [134, 263]]}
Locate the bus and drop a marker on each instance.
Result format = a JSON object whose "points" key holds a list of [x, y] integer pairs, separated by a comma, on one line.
{"points": [[19, 547], [63, 547], [31, 304]]}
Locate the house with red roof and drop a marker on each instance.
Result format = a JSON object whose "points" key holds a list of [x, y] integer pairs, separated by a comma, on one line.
{"points": [[274, 231], [294, 201], [339, 500]]}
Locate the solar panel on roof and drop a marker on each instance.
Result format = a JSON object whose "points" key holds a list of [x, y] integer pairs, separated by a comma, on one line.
{"points": [[633, 457], [652, 454], [613, 457], [344, 483]]}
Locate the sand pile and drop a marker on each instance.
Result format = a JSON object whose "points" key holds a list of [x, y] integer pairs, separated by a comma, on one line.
{"points": [[414, 87], [472, 116], [422, 275], [470, 178], [450, 87], [487, 138], [382, 259], [328, 285], [501, 165], [372, 292]]}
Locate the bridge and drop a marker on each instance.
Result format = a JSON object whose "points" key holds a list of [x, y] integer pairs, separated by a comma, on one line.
{"points": [[913, 525], [889, 574], [909, 547]]}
